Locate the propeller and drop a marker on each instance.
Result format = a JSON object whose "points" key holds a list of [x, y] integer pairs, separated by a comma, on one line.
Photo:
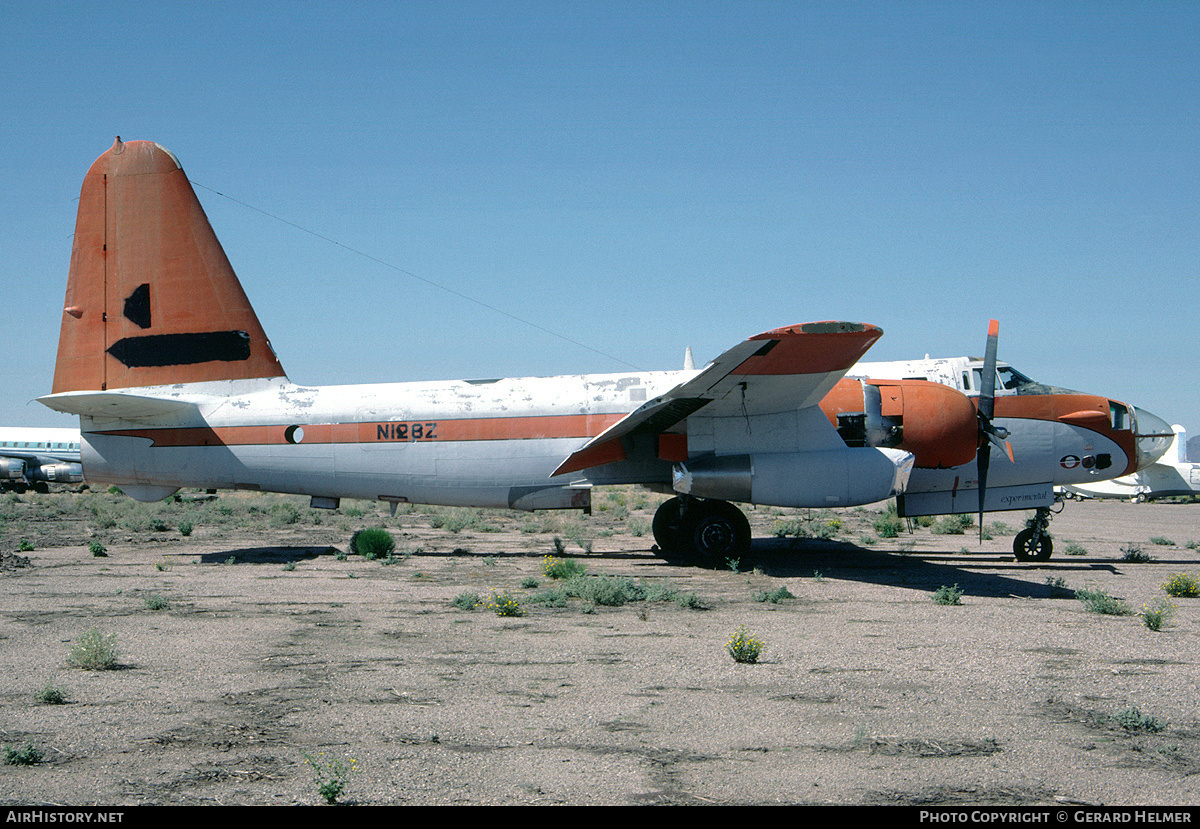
{"points": [[992, 434]]}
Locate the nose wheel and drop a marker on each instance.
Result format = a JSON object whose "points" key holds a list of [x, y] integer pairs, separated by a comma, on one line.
{"points": [[1034, 543]]}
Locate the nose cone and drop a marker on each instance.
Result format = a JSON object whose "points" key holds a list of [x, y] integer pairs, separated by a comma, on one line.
{"points": [[1154, 436]]}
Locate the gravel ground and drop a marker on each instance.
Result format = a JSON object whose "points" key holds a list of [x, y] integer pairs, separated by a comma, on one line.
{"points": [[272, 648]]}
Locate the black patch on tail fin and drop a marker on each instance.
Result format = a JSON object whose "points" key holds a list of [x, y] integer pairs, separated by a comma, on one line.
{"points": [[137, 306], [157, 350]]}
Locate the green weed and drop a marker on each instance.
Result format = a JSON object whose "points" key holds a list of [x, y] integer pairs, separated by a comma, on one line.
{"points": [[744, 647], [503, 604], [332, 776], [51, 695], [1098, 601], [562, 568], [666, 592], [888, 525], [947, 595], [156, 602], [25, 755], [372, 543], [466, 601], [1182, 585], [952, 525], [691, 601], [94, 651], [775, 596], [1133, 553], [608, 591], [554, 597], [1155, 615], [1132, 719]]}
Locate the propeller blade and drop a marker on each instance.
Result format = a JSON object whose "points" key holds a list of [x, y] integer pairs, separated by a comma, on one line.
{"points": [[985, 456], [987, 394], [987, 409], [997, 439]]}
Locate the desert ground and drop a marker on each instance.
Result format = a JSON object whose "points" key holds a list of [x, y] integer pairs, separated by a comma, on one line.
{"points": [[255, 660]]}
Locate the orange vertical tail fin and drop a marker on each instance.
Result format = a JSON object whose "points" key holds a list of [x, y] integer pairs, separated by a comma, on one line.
{"points": [[151, 297]]}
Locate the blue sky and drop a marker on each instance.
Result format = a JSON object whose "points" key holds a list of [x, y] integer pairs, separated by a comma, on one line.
{"points": [[432, 190]]}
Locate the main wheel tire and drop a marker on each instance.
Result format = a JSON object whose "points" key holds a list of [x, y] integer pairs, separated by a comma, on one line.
{"points": [[713, 532], [1027, 548], [665, 527]]}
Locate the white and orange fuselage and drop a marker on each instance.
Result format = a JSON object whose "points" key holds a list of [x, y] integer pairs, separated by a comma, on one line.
{"points": [[498, 443]]}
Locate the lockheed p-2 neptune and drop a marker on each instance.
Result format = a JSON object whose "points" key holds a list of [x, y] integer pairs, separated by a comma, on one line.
{"points": [[165, 362]]}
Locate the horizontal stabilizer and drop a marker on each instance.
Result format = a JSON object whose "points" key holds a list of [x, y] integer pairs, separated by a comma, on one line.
{"points": [[114, 405]]}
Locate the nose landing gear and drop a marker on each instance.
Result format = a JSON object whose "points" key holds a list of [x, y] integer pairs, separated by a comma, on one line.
{"points": [[1034, 543]]}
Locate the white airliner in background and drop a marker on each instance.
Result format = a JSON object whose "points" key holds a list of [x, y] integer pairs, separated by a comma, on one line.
{"points": [[33, 458]]}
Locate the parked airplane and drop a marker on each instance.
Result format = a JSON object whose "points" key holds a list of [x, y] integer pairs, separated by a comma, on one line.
{"points": [[175, 383], [37, 457], [1172, 475]]}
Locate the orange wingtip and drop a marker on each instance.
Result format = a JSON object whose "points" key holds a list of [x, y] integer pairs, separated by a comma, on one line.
{"points": [[811, 348]]}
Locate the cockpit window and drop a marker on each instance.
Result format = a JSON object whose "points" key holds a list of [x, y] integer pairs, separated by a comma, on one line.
{"points": [[1120, 415], [1007, 379]]}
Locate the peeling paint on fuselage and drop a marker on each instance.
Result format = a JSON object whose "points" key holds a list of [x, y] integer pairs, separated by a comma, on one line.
{"points": [[452, 442]]}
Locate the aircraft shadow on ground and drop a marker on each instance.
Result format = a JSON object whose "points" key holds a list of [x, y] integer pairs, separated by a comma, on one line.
{"points": [[265, 555], [983, 575]]}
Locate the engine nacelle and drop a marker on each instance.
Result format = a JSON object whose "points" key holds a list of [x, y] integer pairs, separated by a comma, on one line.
{"points": [[833, 478], [12, 469], [938, 424], [57, 473]]}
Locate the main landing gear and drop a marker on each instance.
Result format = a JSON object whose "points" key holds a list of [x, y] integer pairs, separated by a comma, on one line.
{"points": [[700, 531], [1034, 543]]}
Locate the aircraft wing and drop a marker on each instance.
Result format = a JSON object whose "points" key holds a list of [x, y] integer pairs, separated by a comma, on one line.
{"points": [[777, 371]]}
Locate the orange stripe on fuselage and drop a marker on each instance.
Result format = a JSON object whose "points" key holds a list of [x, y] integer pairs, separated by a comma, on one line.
{"points": [[402, 431]]}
